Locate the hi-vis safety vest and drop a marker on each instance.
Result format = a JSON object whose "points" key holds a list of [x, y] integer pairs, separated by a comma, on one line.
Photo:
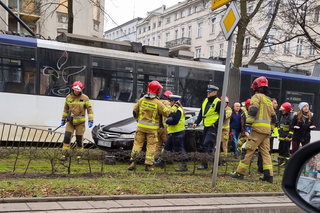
{"points": [[178, 127], [211, 116], [275, 133]]}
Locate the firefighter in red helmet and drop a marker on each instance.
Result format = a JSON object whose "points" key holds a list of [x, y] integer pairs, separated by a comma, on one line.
{"points": [[260, 123], [285, 133], [225, 130], [75, 106], [147, 112], [162, 131]]}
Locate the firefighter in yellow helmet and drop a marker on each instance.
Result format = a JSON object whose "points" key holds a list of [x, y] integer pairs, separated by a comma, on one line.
{"points": [[74, 112], [225, 130], [260, 121], [147, 112]]}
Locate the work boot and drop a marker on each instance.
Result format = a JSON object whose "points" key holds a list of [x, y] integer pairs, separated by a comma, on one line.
{"points": [[78, 159], [159, 163], [63, 158], [132, 166], [266, 177], [183, 168], [236, 175], [203, 166], [280, 161], [149, 168], [284, 163]]}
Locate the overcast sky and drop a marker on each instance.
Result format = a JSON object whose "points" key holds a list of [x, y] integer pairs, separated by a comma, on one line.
{"points": [[122, 11]]}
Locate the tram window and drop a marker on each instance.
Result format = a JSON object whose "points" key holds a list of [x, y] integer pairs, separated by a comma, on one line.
{"points": [[17, 52], [17, 76], [192, 86], [296, 97], [59, 69], [113, 79]]}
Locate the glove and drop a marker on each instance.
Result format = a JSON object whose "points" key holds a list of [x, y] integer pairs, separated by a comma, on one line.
{"points": [[63, 123], [248, 129], [287, 139], [90, 124]]}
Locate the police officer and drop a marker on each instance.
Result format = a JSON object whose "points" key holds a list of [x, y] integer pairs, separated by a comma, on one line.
{"points": [[260, 121], [209, 113], [147, 112], [74, 112], [176, 131]]}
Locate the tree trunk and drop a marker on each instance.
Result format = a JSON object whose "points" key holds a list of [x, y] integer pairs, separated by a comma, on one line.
{"points": [[70, 16]]}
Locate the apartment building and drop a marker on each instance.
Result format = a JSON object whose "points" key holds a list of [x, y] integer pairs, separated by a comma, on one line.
{"points": [[50, 18], [124, 32], [191, 25]]}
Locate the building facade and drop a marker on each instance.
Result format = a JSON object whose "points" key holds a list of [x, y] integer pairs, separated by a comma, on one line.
{"points": [[124, 32], [191, 25], [50, 18]]}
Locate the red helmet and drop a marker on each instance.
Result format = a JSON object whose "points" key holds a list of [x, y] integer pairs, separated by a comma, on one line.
{"points": [[247, 103], [77, 86], [167, 93], [227, 99], [286, 106], [154, 87], [259, 82]]}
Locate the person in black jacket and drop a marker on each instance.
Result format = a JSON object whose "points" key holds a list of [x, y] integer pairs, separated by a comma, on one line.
{"points": [[302, 123]]}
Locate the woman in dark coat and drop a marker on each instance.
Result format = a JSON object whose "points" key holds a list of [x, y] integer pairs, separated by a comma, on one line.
{"points": [[302, 123]]}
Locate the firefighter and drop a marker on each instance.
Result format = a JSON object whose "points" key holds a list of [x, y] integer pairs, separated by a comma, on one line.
{"points": [[274, 135], [285, 133], [225, 130], [74, 113], [162, 131], [209, 113], [244, 136], [260, 122], [176, 131], [147, 112]]}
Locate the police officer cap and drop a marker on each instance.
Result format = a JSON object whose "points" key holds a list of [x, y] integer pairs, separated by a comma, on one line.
{"points": [[175, 97], [212, 88]]}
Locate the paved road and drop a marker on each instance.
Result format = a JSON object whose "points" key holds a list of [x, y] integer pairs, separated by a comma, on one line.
{"points": [[213, 203]]}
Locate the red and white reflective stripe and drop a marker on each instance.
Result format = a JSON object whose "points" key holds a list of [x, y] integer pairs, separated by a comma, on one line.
{"points": [[77, 88]]}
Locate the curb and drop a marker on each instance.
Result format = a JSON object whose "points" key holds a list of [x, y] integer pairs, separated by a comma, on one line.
{"points": [[137, 197]]}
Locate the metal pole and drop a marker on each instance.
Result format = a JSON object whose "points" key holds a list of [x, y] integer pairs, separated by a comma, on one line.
{"points": [[18, 10], [224, 93], [18, 19]]}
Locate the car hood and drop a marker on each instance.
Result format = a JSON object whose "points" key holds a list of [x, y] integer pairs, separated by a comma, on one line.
{"points": [[126, 126]]}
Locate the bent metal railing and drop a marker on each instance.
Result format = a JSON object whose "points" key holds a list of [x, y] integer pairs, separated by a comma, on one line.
{"points": [[20, 136]]}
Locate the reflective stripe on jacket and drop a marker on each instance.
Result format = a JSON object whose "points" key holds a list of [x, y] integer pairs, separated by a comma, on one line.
{"points": [[180, 126], [261, 123], [211, 116]]}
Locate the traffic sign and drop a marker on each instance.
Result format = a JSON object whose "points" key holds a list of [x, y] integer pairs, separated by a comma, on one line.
{"points": [[218, 3], [230, 20]]}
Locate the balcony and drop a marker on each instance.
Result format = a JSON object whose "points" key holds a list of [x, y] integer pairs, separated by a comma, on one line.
{"points": [[179, 44], [29, 10]]}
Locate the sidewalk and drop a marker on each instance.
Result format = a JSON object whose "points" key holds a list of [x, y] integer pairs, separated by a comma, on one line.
{"points": [[178, 203]]}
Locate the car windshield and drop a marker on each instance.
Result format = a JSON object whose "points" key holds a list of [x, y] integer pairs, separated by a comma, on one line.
{"points": [[305, 185], [191, 121]]}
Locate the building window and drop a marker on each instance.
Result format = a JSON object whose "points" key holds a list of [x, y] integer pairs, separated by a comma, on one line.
{"points": [[154, 25], [268, 44], [316, 14], [195, 9], [149, 28], [183, 13], [159, 23], [213, 25], [271, 8], [153, 41], [128, 30], [144, 29], [250, 9], [211, 51], [167, 36], [286, 48], [176, 35], [199, 31], [148, 41], [168, 20], [198, 53], [311, 48], [299, 51], [221, 50], [246, 46], [190, 11], [139, 31], [182, 32], [189, 31], [159, 40]]}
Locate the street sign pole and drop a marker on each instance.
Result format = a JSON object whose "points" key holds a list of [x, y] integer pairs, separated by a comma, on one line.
{"points": [[224, 93]]}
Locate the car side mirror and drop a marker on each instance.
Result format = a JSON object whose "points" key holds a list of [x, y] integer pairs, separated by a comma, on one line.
{"points": [[300, 179]]}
